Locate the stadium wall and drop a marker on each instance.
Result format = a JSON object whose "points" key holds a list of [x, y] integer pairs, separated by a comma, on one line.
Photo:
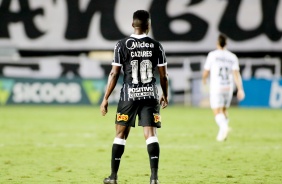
{"points": [[263, 93], [183, 27], [80, 80], [42, 43]]}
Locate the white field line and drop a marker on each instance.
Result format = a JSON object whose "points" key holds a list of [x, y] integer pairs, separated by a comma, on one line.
{"points": [[195, 147], [182, 147]]}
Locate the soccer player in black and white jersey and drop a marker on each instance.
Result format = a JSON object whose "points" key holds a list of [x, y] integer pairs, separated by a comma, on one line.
{"points": [[223, 68], [138, 56]]}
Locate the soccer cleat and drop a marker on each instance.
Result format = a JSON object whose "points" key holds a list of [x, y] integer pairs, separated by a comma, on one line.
{"points": [[110, 181], [222, 134], [154, 182]]}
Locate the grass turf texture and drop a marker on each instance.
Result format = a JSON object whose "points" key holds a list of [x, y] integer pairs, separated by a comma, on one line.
{"points": [[51, 144]]}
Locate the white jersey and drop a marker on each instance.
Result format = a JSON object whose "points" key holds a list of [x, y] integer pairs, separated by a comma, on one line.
{"points": [[221, 63]]}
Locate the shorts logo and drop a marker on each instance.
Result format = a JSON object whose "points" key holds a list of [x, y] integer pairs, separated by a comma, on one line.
{"points": [[122, 117], [157, 118]]}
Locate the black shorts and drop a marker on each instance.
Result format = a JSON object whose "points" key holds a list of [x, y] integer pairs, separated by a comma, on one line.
{"points": [[148, 112]]}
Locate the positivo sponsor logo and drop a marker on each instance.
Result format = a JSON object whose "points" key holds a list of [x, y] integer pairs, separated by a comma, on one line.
{"points": [[140, 92], [275, 99], [39, 92]]}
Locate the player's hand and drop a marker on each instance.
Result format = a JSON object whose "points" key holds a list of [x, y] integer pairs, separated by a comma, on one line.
{"points": [[163, 102], [240, 94], [104, 107]]}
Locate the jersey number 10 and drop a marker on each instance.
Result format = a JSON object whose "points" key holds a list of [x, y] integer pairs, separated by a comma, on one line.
{"points": [[145, 70]]}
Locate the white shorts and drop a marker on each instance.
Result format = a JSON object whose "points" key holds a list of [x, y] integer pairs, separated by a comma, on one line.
{"points": [[219, 100]]}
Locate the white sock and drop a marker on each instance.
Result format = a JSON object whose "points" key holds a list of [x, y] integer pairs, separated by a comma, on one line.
{"points": [[152, 140], [227, 120], [221, 121], [119, 141]]}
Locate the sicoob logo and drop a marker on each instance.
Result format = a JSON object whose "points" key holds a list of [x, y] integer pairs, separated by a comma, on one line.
{"points": [[132, 44], [6, 86], [122, 117]]}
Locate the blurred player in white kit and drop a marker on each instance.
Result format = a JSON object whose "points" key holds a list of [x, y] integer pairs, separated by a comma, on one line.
{"points": [[222, 67]]}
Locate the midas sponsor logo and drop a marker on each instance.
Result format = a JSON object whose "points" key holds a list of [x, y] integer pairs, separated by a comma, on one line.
{"points": [[39, 92], [157, 118], [122, 117], [132, 44]]}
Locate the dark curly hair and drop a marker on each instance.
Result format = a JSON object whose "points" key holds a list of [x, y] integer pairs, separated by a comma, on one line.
{"points": [[143, 17]]}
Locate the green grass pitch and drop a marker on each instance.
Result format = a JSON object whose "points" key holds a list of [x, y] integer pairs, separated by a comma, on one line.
{"points": [[59, 144]]}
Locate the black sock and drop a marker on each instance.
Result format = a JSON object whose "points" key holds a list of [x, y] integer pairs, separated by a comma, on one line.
{"points": [[154, 153], [117, 151]]}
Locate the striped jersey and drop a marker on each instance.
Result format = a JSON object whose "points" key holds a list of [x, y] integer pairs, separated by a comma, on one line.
{"points": [[139, 55]]}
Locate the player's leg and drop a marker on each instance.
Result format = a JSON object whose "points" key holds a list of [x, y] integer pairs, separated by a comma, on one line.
{"points": [[153, 149], [122, 133], [225, 112], [217, 105], [118, 146], [125, 119], [220, 120], [149, 118], [227, 101]]}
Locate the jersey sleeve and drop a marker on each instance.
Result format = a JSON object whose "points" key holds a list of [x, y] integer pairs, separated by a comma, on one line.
{"points": [[161, 56], [117, 61], [235, 65], [208, 62]]}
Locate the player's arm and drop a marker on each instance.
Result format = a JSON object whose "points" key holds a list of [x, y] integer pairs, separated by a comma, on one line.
{"points": [[162, 68], [205, 76], [207, 67], [164, 85], [239, 84], [112, 81]]}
